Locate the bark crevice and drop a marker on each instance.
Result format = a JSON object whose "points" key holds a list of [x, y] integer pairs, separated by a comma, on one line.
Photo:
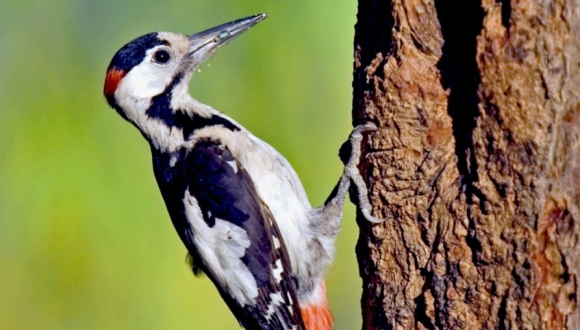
{"points": [[460, 77]]}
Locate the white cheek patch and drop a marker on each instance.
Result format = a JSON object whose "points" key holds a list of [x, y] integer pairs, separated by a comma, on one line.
{"points": [[145, 81], [222, 247]]}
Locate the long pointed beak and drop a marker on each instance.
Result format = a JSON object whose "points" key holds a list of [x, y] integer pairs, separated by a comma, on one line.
{"points": [[203, 45]]}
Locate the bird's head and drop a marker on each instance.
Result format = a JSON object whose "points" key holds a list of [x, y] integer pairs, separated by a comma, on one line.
{"points": [[162, 62]]}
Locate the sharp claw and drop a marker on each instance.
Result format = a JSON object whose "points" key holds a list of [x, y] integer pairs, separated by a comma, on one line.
{"points": [[356, 132], [370, 218], [366, 127]]}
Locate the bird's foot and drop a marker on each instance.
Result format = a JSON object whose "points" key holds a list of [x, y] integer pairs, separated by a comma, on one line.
{"points": [[352, 172]]}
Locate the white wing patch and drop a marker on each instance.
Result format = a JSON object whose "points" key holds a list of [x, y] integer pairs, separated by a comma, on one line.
{"points": [[221, 248]]}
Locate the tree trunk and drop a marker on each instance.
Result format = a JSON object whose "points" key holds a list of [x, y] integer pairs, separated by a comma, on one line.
{"points": [[475, 165]]}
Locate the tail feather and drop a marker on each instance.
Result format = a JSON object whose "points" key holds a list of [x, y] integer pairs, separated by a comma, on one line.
{"points": [[317, 315]]}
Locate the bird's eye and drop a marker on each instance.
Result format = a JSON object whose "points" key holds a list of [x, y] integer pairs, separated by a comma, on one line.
{"points": [[162, 56]]}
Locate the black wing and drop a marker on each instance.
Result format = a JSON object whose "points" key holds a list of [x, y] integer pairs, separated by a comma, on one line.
{"points": [[233, 217]]}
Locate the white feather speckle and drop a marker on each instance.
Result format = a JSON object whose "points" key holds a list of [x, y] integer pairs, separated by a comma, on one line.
{"points": [[233, 165], [276, 299], [276, 242], [277, 271], [172, 161]]}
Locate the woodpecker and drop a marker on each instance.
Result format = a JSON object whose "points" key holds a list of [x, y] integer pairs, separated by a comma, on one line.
{"points": [[236, 203]]}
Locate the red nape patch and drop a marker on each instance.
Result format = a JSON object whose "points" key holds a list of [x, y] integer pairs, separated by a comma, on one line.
{"points": [[317, 316], [112, 80]]}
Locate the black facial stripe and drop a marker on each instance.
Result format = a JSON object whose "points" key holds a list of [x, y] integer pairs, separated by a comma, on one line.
{"points": [[161, 109], [134, 52], [190, 124]]}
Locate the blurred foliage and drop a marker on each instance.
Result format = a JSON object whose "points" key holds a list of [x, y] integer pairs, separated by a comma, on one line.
{"points": [[85, 240]]}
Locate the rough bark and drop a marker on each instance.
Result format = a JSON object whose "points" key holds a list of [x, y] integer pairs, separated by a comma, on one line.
{"points": [[475, 166]]}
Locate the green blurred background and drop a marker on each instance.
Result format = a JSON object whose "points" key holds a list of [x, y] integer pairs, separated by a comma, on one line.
{"points": [[85, 240]]}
